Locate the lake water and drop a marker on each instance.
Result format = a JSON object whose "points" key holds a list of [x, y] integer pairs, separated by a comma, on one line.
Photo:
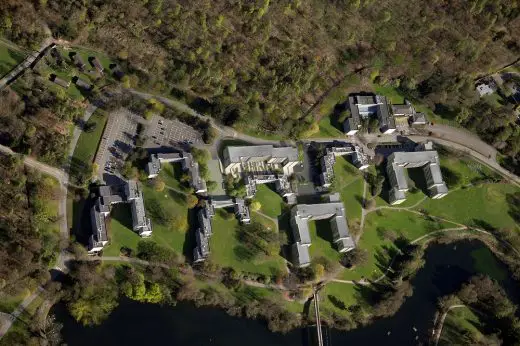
{"points": [[132, 323]]}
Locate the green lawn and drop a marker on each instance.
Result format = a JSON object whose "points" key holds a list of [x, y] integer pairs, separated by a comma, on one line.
{"points": [[174, 202], [379, 246], [170, 174], [348, 181], [9, 58], [321, 239], [88, 141], [458, 322], [224, 245], [121, 234], [390, 92], [271, 201], [337, 297], [474, 205], [327, 129], [120, 230]]}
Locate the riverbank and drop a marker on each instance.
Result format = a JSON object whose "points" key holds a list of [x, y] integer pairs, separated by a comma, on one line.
{"points": [[447, 266]]}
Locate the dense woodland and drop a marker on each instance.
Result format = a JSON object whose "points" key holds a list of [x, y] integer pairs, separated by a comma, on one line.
{"points": [[29, 237], [35, 120], [262, 64]]}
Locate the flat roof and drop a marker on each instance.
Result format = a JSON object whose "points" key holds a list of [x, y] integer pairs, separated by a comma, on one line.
{"points": [[236, 154]]}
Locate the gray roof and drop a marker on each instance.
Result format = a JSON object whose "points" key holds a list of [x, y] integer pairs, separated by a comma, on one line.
{"points": [[97, 64], [78, 60], [419, 118], [204, 222], [354, 121], [169, 157], [98, 223], [61, 82], [386, 121], [302, 213], [241, 210], [83, 84], [365, 99], [105, 190], [243, 153], [300, 255], [406, 109], [428, 159]]}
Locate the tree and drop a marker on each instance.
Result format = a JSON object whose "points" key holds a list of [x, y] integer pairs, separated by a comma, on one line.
{"points": [[255, 206], [179, 223], [256, 240], [158, 184], [355, 257], [191, 201]]}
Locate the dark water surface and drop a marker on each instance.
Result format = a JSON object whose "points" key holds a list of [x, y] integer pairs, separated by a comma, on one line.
{"points": [[132, 323]]}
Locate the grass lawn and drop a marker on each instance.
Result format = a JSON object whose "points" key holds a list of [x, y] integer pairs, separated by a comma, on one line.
{"points": [[327, 129], [224, 245], [174, 202], [88, 141], [400, 223], [120, 230], [390, 92], [270, 200], [337, 297], [268, 223], [250, 293], [486, 263], [480, 205], [321, 238], [9, 58], [348, 181], [121, 234], [458, 321], [171, 173]]}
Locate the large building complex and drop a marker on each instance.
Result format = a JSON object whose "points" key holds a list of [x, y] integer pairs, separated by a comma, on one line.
{"points": [[301, 214], [426, 159], [359, 159], [101, 210], [189, 165], [366, 106], [262, 164]]}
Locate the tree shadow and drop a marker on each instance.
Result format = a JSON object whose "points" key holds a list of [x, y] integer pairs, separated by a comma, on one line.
{"points": [[178, 197], [338, 303], [513, 202], [359, 199], [242, 253], [484, 225]]}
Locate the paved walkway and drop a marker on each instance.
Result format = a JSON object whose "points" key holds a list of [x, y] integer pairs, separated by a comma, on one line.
{"points": [[438, 331]]}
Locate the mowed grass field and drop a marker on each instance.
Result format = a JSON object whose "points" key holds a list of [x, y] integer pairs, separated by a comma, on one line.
{"points": [[88, 141], [121, 234], [225, 246], [271, 201], [348, 181]]}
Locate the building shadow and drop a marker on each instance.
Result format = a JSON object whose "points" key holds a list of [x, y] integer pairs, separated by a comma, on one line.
{"points": [[324, 231]]}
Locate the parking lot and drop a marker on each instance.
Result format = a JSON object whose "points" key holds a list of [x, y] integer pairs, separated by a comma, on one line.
{"points": [[163, 132], [117, 142]]}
